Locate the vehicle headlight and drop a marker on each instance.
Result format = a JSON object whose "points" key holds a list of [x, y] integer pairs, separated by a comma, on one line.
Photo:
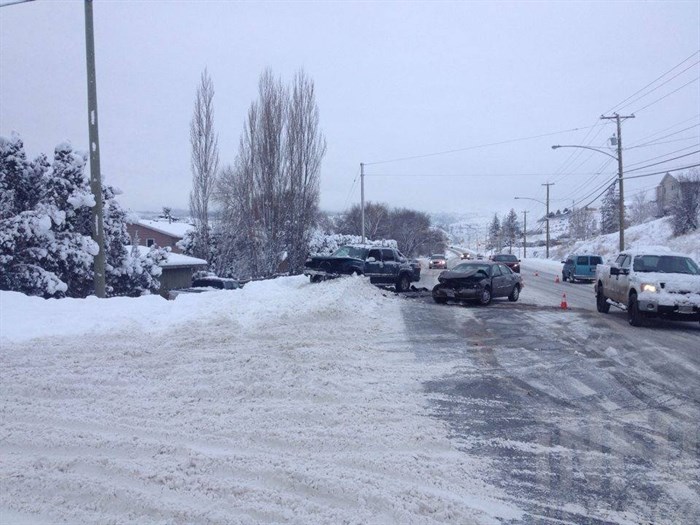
{"points": [[648, 287]]}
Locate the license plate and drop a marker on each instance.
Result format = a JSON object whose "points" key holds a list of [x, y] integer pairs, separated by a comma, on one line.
{"points": [[685, 309]]}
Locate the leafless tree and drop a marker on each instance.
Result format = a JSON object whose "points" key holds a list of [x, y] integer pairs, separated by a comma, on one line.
{"points": [[685, 214], [305, 148], [641, 210], [376, 221], [204, 162], [582, 223], [270, 196]]}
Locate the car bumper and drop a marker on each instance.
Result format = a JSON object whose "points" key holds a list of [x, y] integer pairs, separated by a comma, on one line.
{"points": [[679, 311], [462, 294]]}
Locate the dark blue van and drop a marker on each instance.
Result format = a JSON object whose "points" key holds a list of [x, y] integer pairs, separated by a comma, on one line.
{"points": [[580, 267]]}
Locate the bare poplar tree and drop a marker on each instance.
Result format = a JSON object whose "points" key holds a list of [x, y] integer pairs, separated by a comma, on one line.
{"points": [[305, 147], [204, 163]]}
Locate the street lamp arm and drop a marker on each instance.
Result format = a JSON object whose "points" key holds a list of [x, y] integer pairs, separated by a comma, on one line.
{"points": [[557, 146], [531, 199]]}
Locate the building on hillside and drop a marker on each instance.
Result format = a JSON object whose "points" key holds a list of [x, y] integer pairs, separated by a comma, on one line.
{"points": [[667, 192], [164, 234]]}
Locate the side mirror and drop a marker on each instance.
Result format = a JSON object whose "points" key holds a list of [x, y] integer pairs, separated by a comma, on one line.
{"points": [[371, 259], [563, 262], [614, 270]]}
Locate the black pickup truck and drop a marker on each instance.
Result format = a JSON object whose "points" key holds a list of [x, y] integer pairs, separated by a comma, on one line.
{"points": [[384, 266]]}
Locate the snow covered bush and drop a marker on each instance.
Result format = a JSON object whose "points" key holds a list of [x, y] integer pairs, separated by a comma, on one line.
{"points": [[46, 248], [685, 214]]}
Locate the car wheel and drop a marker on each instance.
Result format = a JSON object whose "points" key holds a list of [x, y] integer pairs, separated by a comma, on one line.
{"points": [[563, 276], [438, 298], [634, 316], [571, 277], [403, 284], [515, 293], [601, 303], [485, 297]]}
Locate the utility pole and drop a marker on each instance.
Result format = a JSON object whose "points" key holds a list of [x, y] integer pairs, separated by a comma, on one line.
{"points": [[362, 198], [617, 119], [547, 216], [524, 233], [96, 222]]}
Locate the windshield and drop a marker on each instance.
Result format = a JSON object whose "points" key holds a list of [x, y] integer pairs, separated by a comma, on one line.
{"points": [[505, 258], [470, 267], [665, 264], [434, 257], [350, 251]]}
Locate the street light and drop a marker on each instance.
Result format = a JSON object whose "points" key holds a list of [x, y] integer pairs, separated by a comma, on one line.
{"points": [[618, 158], [546, 205]]}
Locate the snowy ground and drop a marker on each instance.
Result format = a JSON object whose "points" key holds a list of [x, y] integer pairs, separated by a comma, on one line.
{"points": [[252, 406]]}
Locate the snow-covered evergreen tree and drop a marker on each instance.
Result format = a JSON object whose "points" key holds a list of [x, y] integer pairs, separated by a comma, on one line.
{"points": [[45, 243], [510, 229], [494, 240], [610, 211]]}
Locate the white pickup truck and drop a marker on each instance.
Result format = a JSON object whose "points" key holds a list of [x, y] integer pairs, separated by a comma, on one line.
{"points": [[650, 283]]}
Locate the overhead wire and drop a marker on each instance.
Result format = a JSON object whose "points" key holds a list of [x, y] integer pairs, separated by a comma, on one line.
{"points": [[616, 106], [666, 95]]}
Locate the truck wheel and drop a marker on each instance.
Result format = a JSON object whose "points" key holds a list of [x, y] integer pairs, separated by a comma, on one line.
{"points": [[316, 278], [563, 276], [600, 302], [403, 284], [634, 316]]}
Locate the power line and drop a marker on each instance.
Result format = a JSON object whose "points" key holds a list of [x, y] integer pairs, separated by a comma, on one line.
{"points": [[664, 161], [667, 95], [669, 128], [680, 168], [664, 155], [500, 143], [660, 85], [651, 83], [664, 137]]}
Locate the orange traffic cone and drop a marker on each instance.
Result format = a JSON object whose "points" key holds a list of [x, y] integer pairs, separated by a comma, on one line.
{"points": [[556, 279], [564, 305]]}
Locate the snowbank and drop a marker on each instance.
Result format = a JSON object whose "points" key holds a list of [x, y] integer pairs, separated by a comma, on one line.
{"points": [[280, 402]]}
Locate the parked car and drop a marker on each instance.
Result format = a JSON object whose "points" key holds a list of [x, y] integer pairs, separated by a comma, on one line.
{"points": [[477, 281], [508, 259], [383, 265], [207, 283], [580, 267], [437, 261]]}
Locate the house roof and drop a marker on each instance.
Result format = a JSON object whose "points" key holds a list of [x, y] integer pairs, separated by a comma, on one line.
{"points": [[176, 260], [173, 229]]}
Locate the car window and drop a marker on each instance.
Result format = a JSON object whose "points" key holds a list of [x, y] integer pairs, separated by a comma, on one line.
{"points": [[626, 262], [496, 271], [504, 269], [388, 255], [620, 259], [582, 260], [595, 259], [350, 251], [377, 254]]}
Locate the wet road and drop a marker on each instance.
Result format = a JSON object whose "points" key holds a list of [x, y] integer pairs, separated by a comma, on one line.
{"points": [[584, 419]]}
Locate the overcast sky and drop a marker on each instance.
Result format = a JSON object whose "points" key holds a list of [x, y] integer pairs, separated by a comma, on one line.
{"points": [[393, 80]]}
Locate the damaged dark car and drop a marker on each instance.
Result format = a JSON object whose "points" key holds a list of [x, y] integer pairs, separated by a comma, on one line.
{"points": [[478, 281], [383, 265]]}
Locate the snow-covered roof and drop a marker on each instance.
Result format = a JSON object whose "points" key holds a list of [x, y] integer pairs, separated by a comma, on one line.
{"points": [[174, 229], [176, 259]]}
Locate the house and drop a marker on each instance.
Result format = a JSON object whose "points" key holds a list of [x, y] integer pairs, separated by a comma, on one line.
{"points": [[667, 192], [164, 234], [177, 270]]}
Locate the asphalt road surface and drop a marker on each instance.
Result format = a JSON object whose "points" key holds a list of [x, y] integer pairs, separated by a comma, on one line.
{"points": [[583, 418]]}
